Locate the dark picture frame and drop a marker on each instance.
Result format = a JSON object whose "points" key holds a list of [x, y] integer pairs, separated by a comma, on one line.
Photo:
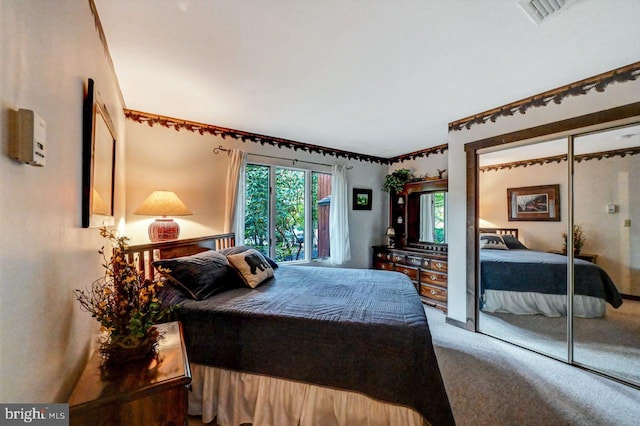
{"points": [[98, 161], [362, 199], [534, 203]]}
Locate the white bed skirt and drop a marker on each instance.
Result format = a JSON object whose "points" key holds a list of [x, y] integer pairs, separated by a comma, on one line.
{"points": [[236, 398], [550, 305]]}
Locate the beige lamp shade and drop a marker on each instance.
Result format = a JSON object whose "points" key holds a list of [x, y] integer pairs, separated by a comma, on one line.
{"points": [[99, 206], [163, 203]]}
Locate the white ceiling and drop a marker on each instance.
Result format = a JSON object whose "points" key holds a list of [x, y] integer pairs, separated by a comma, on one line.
{"points": [[375, 77]]}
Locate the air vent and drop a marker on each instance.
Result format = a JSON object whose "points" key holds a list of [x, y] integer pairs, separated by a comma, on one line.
{"points": [[540, 10]]}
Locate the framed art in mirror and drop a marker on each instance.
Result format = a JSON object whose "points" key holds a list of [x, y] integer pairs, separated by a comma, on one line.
{"points": [[98, 161], [534, 203]]}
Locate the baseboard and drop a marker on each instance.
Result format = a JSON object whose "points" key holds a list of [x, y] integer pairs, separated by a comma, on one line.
{"points": [[456, 323]]}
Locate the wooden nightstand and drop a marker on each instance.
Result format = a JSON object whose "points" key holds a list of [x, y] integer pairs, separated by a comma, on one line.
{"points": [[147, 393], [593, 258]]}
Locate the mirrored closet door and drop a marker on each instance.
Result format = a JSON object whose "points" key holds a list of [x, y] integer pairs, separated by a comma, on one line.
{"points": [[563, 278], [606, 192], [523, 287]]}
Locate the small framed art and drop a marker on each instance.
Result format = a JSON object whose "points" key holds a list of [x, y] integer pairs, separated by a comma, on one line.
{"points": [[362, 199]]}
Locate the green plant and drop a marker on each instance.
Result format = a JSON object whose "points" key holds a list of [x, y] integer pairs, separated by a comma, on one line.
{"points": [[394, 182], [578, 239]]}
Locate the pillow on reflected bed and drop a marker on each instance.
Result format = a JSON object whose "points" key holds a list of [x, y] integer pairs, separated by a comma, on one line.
{"points": [[200, 275], [492, 241], [513, 243]]}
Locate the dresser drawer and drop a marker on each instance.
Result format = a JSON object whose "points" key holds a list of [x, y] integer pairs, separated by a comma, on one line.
{"points": [[439, 265], [380, 255], [408, 271], [435, 278], [432, 292], [387, 266], [414, 261], [397, 258]]}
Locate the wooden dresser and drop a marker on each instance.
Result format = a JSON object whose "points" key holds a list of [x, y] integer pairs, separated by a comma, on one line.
{"points": [[425, 264], [143, 393]]}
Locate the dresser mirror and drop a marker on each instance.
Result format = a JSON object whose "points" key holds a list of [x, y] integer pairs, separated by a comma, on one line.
{"points": [[426, 212]]}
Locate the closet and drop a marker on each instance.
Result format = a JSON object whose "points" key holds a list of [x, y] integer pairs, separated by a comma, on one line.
{"points": [[595, 162]]}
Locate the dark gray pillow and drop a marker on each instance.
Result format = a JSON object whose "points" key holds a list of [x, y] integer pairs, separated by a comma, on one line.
{"points": [[239, 249], [512, 242], [200, 275]]}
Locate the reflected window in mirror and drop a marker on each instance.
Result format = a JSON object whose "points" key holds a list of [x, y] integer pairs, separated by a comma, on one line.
{"points": [[433, 208]]}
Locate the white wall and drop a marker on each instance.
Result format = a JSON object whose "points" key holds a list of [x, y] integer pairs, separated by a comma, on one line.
{"points": [[48, 50], [596, 184], [161, 158], [615, 95]]}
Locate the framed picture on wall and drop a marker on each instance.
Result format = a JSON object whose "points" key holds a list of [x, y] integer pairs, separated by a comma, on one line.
{"points": [[534, 203], [362, 199]]}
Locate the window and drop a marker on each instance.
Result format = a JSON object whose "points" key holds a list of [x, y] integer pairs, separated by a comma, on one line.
{"points": [[287, 212]]}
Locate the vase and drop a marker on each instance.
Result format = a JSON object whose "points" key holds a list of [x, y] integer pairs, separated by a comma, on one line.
{"points": [[120, 349]]}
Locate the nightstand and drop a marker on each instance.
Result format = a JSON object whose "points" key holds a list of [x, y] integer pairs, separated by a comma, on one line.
{"points": [[593, 258], [151, 392]]}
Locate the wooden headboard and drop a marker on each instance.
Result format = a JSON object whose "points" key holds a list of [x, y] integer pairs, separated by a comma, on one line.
{"points": [[143, 255], [500, 231]]}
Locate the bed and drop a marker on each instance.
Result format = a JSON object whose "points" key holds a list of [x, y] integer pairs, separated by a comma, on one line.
{"points": [[308, 345], [517, 280]]}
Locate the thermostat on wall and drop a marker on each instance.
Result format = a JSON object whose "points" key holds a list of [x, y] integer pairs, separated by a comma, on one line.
{"points": [[29, 137]]}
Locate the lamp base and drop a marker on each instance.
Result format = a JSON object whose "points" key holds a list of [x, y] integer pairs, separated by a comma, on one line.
{"points": [[163, 229]]}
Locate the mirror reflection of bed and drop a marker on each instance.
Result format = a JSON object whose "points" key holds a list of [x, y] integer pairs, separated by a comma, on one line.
{"points": [[526, 304]]}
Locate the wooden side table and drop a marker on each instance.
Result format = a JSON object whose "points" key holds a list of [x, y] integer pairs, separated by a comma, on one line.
{"points": [[152, 392], [593, 258]]}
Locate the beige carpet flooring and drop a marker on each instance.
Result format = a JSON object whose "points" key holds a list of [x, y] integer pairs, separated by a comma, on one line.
{"points": [[610, 344]]}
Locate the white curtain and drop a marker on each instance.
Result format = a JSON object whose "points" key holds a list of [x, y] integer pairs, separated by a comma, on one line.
{"points": [[427, 219], [235, 190], [340, 246]]}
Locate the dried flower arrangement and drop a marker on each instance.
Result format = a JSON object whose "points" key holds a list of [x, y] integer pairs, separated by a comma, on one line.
{"points": [[125, 304], [578, 239]]}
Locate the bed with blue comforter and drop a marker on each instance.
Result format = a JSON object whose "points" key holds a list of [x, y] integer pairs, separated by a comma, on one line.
{"points": [[363, 331], [524, 281]]}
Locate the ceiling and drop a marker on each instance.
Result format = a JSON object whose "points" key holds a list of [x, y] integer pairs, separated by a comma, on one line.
{"points": [[375, 77]]}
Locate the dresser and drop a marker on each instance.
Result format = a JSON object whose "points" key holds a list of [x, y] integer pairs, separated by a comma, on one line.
{"points": [[152, 392], [426, 266]]}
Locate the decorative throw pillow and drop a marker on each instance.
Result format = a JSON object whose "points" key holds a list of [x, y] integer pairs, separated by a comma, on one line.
{"points": [[200, 275], [252, 266], [239, 249], [513, 243], [492, 241]]}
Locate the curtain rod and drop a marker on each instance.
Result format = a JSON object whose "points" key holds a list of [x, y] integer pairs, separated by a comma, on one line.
{"points": [[293, 160]]}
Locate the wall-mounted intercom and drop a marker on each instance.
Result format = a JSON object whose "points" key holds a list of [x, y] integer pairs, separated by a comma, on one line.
{"points": [[29, 137]]}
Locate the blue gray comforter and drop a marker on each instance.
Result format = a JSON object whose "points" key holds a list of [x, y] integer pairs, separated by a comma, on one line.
{"points": [[540, 272], [360, 330]]}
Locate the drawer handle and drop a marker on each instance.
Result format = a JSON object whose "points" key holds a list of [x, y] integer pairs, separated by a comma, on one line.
{"points": [[433, 292], [433, 277], [406, 271], [439, 265], [379, 255]]}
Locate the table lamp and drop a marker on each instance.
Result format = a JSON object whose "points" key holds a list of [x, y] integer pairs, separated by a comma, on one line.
{"points": [[391, 235], [163, 203]]}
